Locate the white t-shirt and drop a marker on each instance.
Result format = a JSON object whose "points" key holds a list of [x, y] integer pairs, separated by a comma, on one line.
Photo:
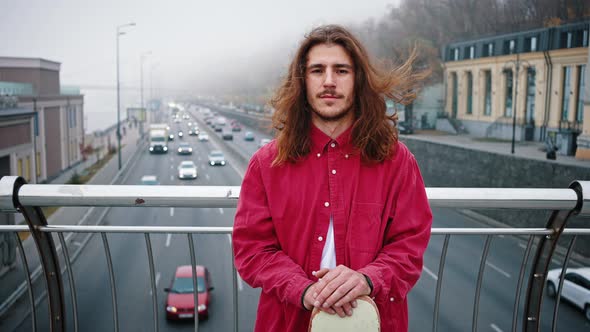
{"points": [[329, 252]]}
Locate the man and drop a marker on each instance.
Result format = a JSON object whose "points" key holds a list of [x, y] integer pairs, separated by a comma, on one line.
{"points": [[335, 196]]}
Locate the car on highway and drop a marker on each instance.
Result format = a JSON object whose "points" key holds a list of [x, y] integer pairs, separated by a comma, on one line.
{"points": [[171, 137], [203, 137], [185, 117], [196, 130], [187, 170], [190, 124], [185, 148], [177, 120], [180, 134], [263, 142], [227, 135], [236, 127], [576, 287], [216, 157], [248, 136], [150, 180], [217, 129], [180, 301]]}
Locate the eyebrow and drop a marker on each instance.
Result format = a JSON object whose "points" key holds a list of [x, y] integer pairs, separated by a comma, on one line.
{"points": [[338, 65]]}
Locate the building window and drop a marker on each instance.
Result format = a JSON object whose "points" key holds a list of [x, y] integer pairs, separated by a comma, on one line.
{"points": [[455, 92], [28, 168], [530, 95], [565, 101], [455, 54], [38, 164], [488, 49], [509, 93], [487, 110], [531, 44], [19, 167], [510, 46], [581, 87], [567, 39], [585, 38], [471, 52], [469, 93]]}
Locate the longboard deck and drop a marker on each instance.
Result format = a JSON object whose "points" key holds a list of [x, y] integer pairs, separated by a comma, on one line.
{"points": [[365, 318]]}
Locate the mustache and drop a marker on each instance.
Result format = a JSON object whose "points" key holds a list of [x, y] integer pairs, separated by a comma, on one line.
{"points": [[329, 92]]}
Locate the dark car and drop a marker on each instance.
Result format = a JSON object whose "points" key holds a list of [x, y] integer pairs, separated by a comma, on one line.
{"points": [[171, 137], [236, 127], [218, 129], [228, 136], [405, 128], [180, 303]]}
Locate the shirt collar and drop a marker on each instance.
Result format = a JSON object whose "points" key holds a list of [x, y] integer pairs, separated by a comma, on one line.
{"points": [[320, 140]]}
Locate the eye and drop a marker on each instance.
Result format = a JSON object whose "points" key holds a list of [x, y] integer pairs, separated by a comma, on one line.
{"points": [[316, 71], [342, 71]]}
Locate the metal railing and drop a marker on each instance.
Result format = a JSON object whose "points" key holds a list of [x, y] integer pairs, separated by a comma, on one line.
{"points": [[17, 196]]}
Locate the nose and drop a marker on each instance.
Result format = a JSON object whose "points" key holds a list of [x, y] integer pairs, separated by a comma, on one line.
{"points": [[329, 79]]}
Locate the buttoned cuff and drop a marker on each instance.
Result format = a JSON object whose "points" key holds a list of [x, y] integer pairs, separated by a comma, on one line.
{"points": [[303, 297]]}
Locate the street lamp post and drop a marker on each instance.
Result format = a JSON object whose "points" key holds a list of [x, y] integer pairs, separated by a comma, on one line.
{"points": [[517, 63], [143, 110], [119, 33], [151, 82]]}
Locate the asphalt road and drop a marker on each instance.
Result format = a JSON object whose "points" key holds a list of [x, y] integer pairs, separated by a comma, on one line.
{"points": [[132, 272]]}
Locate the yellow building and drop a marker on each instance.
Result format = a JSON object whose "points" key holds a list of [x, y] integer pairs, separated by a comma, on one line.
{"points": [[528, 85]]}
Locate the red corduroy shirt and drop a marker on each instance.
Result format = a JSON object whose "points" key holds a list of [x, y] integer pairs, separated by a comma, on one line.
{"points": [[381, 218]]}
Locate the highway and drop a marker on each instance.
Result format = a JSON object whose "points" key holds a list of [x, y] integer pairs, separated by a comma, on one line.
{"points": [[132, 271]]}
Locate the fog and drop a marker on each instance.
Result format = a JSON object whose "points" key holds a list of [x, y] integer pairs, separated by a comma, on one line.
{"points": [[195, 45]]}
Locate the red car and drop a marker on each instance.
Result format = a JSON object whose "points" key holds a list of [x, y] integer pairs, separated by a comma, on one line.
{"points": [[180, 299]]}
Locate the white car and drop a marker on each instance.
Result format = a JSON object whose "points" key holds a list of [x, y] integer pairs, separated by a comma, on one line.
{"points": [[150, 180], [216, 157], [576, 287], [203, 137], [187, 170]]}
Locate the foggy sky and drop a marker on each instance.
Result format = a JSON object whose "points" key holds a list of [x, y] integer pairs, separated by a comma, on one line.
{"points": [[192, 41]]}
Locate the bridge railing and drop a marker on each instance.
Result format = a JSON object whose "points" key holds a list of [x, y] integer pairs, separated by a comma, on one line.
{"points": [[18, 197]]}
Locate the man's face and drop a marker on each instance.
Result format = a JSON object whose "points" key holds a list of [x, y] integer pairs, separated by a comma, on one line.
{"points": [[329, 81]]}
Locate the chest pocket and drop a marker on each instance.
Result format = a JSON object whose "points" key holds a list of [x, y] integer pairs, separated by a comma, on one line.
{"points": [[364, 231]]}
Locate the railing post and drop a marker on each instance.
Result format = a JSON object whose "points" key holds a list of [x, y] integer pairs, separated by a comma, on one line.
{"points": [[9, 187], [543, 255]]}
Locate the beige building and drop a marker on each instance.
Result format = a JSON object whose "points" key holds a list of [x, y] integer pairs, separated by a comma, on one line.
{"points": [[54, 134], [534, 78]]}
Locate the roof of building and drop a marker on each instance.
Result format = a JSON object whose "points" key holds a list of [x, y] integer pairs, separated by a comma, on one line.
{"points": [[16, 62]]}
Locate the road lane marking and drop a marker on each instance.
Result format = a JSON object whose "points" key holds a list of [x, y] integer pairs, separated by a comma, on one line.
{"points": [[240, 282], [77, 243], [499, 270], [495, 328], [207, 177], [168, 238], [171, 166], [172, 212], [430, 273], [157, 279], [171, 177], [221, 211], [199, 158], [522, 245]]}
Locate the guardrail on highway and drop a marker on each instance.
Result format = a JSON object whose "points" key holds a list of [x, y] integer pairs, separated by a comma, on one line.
{"points": [[17, 196]]}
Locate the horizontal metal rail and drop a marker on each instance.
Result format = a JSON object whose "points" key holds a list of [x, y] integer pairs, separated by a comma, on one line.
{"points": [[227, 196]]}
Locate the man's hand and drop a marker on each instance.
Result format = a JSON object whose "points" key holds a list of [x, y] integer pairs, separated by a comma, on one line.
{"points": [[338, 289]]}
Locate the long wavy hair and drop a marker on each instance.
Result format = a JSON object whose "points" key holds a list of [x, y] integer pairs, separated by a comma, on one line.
{"points": [[374, 133]]}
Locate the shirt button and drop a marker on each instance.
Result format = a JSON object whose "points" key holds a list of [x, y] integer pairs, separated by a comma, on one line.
{"points": [[319, 155], [327, 204], [333, 145], [320, 239], [346, 156], [391, 299], [333, 171]]}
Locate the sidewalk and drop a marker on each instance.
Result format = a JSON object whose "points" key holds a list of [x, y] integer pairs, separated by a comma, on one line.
{"points": [[13, 278], [529, 150]]}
